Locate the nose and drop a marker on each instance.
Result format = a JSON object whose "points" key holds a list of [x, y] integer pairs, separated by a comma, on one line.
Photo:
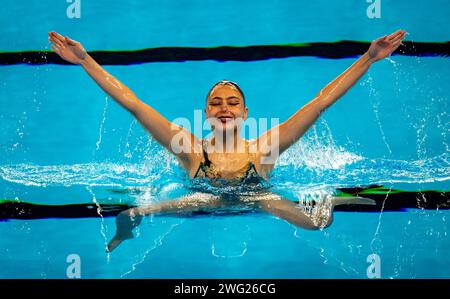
{"points": [[224, 107]]}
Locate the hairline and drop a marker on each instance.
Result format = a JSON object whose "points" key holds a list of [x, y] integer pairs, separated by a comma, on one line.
{"points": [[227, 83]]}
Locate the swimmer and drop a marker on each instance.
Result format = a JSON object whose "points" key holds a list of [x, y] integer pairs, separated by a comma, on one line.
{"points": [[226, 157]]}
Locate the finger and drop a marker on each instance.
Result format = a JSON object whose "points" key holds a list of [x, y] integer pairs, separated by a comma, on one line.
{"points": [[399, 37], [70, 41], [397, 43], [52, 34], [61, 42], [395, 46], [58, 36], [56, 49], [396, 34], [57, 42], [53, 41], [381, 39]]}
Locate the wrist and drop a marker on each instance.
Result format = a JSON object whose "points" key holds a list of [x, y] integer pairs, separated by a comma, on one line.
{"points": [[368, 58], [86, 61]]}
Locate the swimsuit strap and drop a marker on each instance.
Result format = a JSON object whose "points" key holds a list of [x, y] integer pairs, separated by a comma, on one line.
{"points": [[206, 163]]}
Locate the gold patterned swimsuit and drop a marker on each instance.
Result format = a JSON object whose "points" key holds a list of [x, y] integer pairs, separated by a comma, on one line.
{"points": [[248, 173]]}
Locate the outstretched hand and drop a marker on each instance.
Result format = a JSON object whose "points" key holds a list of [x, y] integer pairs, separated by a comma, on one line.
{"points": [[384, 46], [68, 49]]}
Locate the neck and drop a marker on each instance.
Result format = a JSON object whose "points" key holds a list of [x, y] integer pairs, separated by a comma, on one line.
{"points": [[228, 142]]}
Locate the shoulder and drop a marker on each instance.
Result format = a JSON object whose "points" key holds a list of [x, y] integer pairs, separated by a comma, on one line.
{"points": [[191, 160]]}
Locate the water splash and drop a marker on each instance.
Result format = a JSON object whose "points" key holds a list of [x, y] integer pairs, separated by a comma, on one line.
{"points": [[297, 176], [330, 255], [317, 152], [103, 229], [374, 246], [102, 123], [128, 154], [374, 97], [157, 243]]}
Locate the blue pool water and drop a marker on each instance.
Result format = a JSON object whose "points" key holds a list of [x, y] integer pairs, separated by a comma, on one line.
{"points": [[63, 141]]}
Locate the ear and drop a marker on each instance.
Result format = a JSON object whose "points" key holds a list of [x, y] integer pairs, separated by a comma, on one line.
{"points": [[245, 113]]}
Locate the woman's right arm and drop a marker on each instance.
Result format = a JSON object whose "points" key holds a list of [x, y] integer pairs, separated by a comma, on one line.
{"points": [[164, 131]]}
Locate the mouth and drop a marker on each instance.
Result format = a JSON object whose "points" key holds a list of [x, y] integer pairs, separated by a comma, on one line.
{"points": [[225, 119]]}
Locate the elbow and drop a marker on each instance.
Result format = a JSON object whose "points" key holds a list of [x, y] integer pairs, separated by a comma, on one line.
{"points": [[133, 104], [320, 103]]}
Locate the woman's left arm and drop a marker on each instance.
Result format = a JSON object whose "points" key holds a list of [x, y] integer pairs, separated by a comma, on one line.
{"points": [[292, 129]]}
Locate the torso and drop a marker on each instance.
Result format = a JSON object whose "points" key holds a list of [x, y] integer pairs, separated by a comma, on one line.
{"points": [[228, 166]]}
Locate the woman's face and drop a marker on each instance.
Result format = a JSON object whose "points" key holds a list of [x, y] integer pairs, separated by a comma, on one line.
{"points": [[225, 108]]}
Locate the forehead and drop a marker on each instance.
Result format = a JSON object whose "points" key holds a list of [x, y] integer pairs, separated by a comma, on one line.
{"points": [[225, 91]]}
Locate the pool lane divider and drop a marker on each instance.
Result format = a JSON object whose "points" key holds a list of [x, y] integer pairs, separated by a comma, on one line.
{"points": [[394, 200], [332, 50], [387, 200]]}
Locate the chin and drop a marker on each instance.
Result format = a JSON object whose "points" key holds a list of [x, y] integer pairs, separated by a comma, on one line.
{"points": [[226, 128]]}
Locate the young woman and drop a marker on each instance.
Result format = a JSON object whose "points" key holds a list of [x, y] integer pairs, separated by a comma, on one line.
{"points": [[226, 158]]}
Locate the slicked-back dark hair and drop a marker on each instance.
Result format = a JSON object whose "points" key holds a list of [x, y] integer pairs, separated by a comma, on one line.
{"points": [[229, 83]]}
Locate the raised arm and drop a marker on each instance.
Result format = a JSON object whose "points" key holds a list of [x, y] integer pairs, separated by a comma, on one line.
{"points": [[292, 129], [159, 127]]}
